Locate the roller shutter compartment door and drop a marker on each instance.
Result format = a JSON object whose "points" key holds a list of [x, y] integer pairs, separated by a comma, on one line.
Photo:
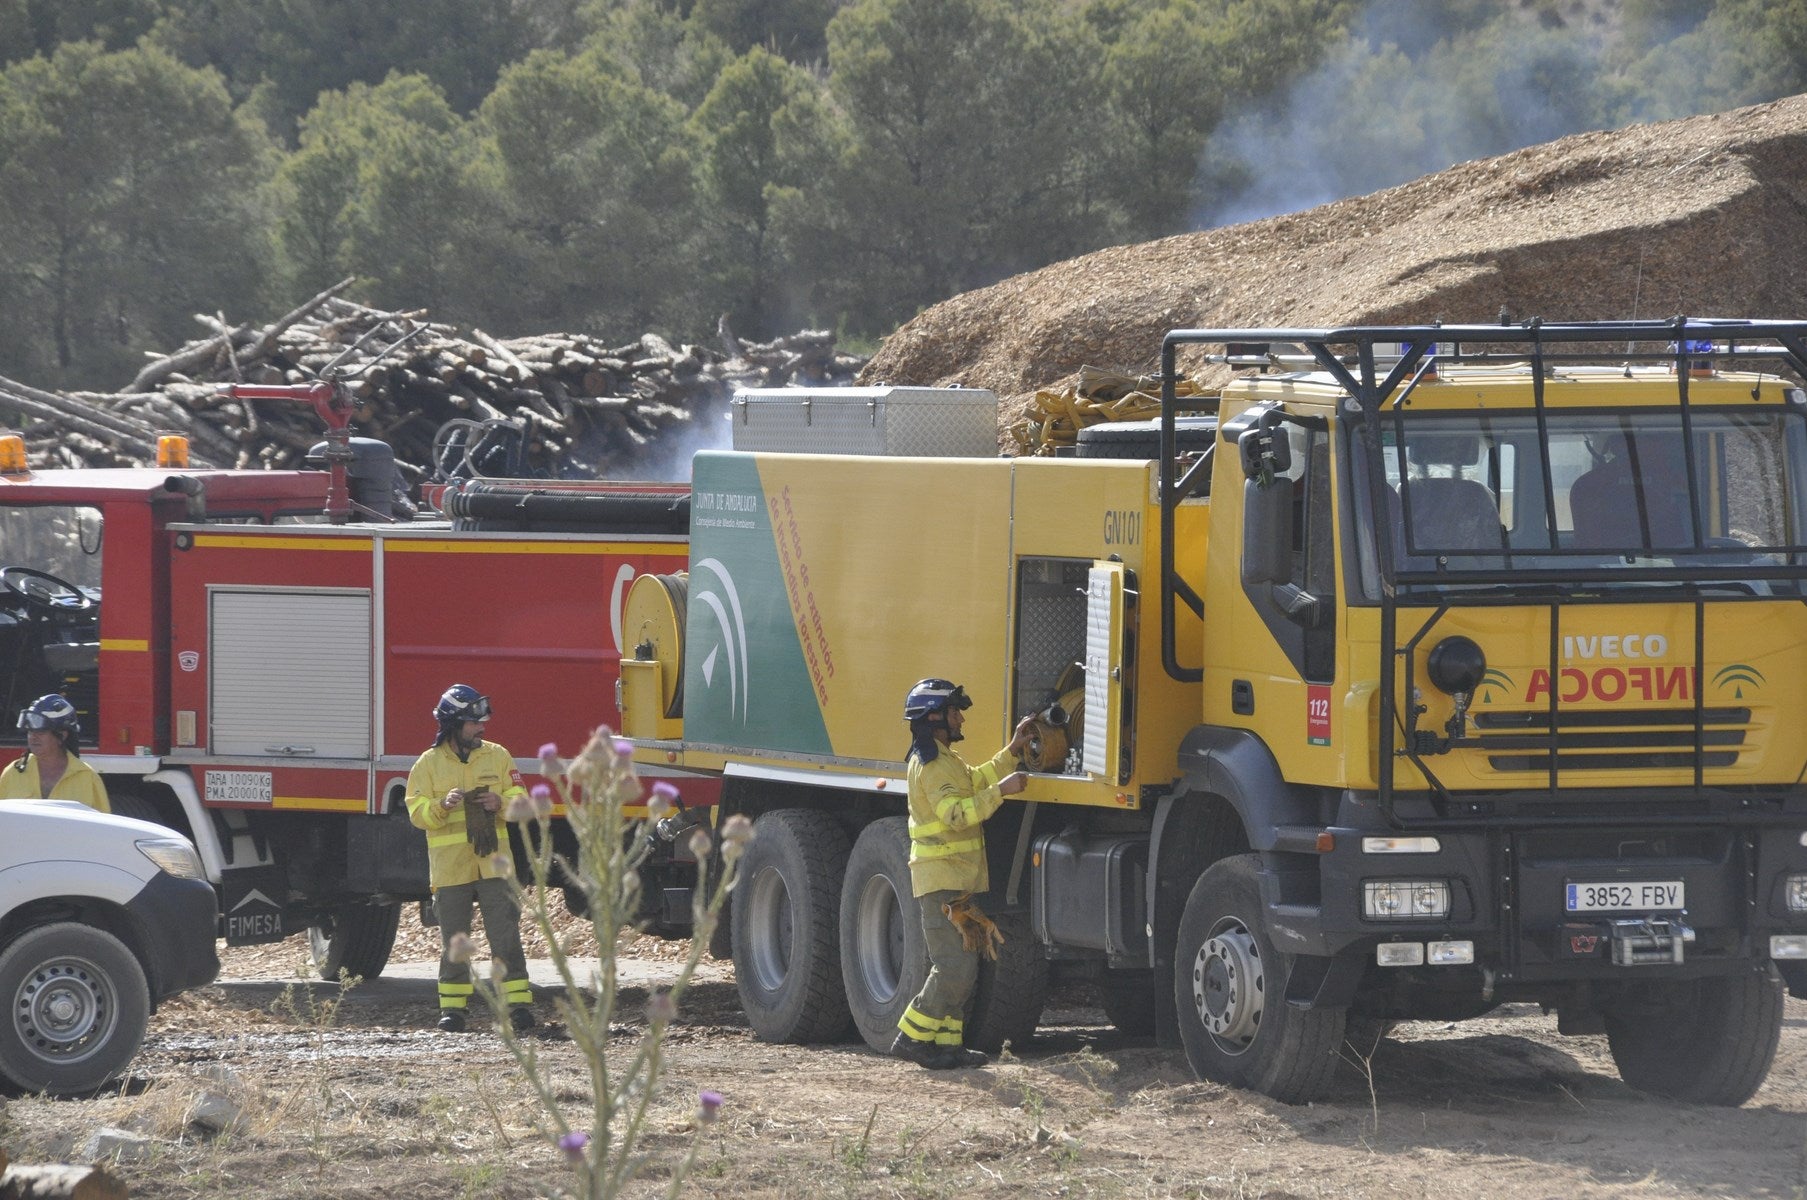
{"points": [[291, 673]]}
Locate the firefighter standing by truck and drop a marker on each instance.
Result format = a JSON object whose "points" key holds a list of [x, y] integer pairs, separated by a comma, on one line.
{"points": [[456, 792], [51, 767], [949, 803]]}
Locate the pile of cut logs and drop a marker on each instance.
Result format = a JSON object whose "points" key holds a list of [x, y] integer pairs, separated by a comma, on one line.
{"points": [[557, 405]]}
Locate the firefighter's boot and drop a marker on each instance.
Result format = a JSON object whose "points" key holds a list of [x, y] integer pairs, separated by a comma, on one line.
{"points": [[923, 1054], [959, 1057], [451, 1020], [521, 1018]]}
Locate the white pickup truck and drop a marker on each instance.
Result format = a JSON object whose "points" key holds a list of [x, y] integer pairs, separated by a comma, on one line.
{"points": [[101, 918]]}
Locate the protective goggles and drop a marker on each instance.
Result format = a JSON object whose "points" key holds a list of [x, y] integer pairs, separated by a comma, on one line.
{"points": [[37, 720]]}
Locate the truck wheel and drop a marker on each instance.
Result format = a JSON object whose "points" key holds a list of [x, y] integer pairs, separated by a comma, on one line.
{"points": [[883, 956], [1011, 992], [1230, 992], [1362, 1035], [355, 940], [1706, 1041], [787, 953], [77, 1005], [1127, 998], [721, 942]]}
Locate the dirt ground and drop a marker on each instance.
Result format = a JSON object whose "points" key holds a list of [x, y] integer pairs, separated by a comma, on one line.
{"points": [[365, 1099]]}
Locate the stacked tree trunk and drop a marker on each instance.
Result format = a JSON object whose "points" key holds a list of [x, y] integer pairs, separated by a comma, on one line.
{"points": [[556, 405]]}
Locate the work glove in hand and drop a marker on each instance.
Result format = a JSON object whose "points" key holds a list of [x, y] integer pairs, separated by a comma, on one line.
{"points": [[977, 931], [479, 827]]}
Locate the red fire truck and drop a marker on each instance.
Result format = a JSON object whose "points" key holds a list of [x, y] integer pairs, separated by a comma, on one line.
{"points": [[256, 657]]}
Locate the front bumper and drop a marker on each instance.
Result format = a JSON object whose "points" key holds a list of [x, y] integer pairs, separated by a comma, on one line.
{"points": [[1507, 895], [176, 921]]}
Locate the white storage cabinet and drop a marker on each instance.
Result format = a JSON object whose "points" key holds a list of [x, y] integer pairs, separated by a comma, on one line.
{"points": [[920, 421]]}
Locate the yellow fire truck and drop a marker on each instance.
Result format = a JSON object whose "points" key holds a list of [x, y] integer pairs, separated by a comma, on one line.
{"points": [[1461, 668]]}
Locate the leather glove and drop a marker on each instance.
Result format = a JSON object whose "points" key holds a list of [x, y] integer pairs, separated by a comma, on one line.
{"points": [[479, 827], [977, 931]]}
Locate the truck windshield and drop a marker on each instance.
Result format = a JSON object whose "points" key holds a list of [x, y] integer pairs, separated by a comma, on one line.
{"points": [[1595, 494], [60, 540]]}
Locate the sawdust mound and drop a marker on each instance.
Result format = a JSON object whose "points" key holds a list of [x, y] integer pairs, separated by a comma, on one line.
{"points": [[1705, 217]]}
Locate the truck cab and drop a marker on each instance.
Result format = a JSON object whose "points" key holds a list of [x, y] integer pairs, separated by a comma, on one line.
{"points": [[1496, 684]]}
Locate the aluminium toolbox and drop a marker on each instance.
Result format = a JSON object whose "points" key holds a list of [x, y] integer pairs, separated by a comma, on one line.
{"points": [[910, 421]]}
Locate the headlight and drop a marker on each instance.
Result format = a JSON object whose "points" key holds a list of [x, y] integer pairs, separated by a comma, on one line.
{"points": [[1795, 887], [1405, 899], [174, 856]]}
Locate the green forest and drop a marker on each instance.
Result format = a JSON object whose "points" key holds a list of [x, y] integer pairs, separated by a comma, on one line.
{"points": [[617, 166]]}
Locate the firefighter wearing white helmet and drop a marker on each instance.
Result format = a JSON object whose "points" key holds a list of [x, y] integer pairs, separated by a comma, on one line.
{"points": [[52, 766], [456, 794], [949, 803]]}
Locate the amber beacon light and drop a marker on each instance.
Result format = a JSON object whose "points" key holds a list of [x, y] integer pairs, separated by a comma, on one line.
{"points": [[12, 454], [172, 450]]}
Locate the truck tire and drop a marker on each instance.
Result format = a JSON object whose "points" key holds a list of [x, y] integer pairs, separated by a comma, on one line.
{"points": [[1142, 439], [1230, 993], [787, 946], [1707, 1041], [354, 939], [1362, 1035], [721, 942], [1127, 998], [1011, 993], [883, 956], [77, 1003]]}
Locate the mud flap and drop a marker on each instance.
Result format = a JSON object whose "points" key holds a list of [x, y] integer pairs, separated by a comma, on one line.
{"points": [[251, 905]]}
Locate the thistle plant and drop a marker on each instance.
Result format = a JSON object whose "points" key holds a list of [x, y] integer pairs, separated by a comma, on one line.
{"points": [[601, 1143]]}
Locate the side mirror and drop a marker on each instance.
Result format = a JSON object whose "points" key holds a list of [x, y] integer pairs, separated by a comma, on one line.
{"points": [[1266, 449]]}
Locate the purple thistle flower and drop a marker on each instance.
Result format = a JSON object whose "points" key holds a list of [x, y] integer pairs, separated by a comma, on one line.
{"points": [[665, 789], [540, 791], [549, 750], [709, 1106], [572, 1145], [624, 748]]}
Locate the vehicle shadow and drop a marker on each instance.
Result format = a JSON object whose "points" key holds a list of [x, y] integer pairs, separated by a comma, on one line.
{"points": [[1434, 1092]]}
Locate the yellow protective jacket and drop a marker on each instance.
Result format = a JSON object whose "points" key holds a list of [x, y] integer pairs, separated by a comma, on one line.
{"points": [[949, 801], [20, 781], [450, 859]]}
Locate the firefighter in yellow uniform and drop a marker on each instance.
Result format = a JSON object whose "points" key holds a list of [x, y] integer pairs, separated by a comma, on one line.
{"points": [[949, 802], [52, 766], [456, 793]]}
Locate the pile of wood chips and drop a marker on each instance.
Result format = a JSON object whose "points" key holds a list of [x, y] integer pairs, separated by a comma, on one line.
{"points": [[1699, 217], [555, 405]]}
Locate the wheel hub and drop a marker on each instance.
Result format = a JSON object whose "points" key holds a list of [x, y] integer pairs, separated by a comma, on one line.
{"points": [[1229, 987], [769, 927], [60, 1009], [880, 947]]}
